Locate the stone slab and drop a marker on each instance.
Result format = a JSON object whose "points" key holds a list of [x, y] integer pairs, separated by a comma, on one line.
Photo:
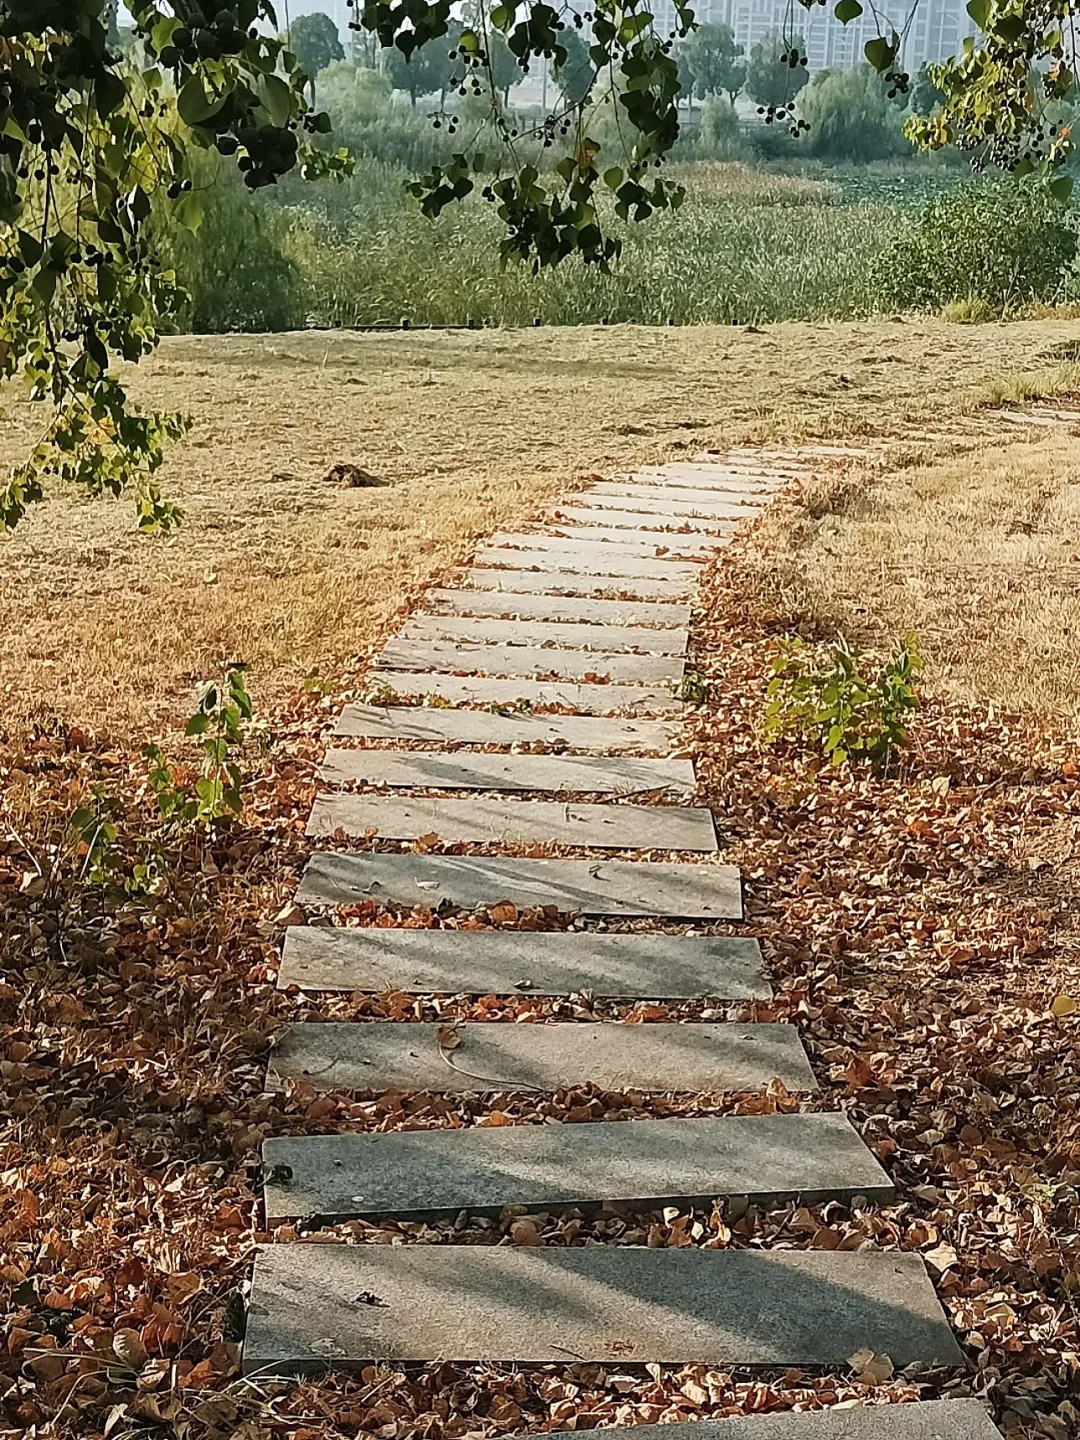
{"points": [[481, 727], [690, 891], [429, 770], [612, 550], [522, 962], [664, 1056], [587, 699], [920, 1420], [648, 1162], [675, 499], [468, 820], [674, 530], [609, 638], [730, 479], [519, 579], [559, 608], [521, 660], [315, 1307]]}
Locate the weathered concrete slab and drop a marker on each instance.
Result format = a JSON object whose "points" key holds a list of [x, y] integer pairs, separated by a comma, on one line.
{"points": [[769, 1157], [519, 579], [521, 660], [921, 1420], [587, 699], [610, 734], [522, 962], [611, 549], [646, 523], [678, 499], [699, 474], [559, 608], [610, 638], [427, 770], [481, 727], [400, 1055], [315, 1307], [469, 820], [593, 887]]}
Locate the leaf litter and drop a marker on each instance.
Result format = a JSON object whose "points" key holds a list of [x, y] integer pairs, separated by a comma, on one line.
{"points": [[931, 967]]}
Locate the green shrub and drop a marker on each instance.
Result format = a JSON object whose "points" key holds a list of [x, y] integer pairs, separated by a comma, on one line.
{"points": [[719, 133], [995, 241], [234, 267], [851, 117], [841, 709]]}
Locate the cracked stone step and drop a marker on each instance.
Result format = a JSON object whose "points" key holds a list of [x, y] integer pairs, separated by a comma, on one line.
{"points": [[481, 727], [519, 579], [690, 891], [428, 770], [646, 523], [609, 638], [587, 699], [613, 549], [664, 1056], [523, 962], [648, 1162], [918, 1420], [521, 660], [727, 479], [318, 1307], [484, 727], [672, 499], [565, 609], [467, 820]]}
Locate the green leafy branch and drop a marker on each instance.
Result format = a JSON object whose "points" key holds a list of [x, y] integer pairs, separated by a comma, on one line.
{"points": [[841, 709]]}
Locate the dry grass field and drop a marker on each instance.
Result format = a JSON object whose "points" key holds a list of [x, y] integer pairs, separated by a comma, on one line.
{"points": [[976, 551], [109, 631]]}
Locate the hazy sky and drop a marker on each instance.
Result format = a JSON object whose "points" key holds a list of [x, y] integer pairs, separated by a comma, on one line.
{"points": [[336, 9]]}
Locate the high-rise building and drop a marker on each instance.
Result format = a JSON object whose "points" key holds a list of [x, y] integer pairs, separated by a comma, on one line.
{"points": [[930, 29]]}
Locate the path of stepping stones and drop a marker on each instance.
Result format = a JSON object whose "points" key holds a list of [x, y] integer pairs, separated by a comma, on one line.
{"points": [[577, 628]]}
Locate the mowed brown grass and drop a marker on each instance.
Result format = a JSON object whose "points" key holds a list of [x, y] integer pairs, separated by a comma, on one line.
{"points": [[977, 552], [110, 631]]}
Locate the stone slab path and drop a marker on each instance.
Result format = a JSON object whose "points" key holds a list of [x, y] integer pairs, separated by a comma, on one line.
{"points": [[593, 887], [645, 1162], [646, 523], [595, 555], [358, 1305], [571, 633], [393, 1055], [671, 498], [521, 577], [586, 699], [619, 668], [523, 962], [481, 727], [562, 609], [579, 774], [513, 822], [920, 1420], [474, 631]]}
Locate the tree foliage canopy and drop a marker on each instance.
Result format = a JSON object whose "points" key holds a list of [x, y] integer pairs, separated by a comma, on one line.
{"points": [[97, 146], [712, 59], [314, 40], [776, 71]]}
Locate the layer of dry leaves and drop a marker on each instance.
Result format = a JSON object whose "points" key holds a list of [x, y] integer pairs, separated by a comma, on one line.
{"points": [[918, 929]]}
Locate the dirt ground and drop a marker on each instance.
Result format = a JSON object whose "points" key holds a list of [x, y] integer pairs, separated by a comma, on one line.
{"points": [[110, 631]]}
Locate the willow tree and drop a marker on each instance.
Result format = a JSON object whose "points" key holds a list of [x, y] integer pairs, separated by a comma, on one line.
{"points": [[95, 141]]}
